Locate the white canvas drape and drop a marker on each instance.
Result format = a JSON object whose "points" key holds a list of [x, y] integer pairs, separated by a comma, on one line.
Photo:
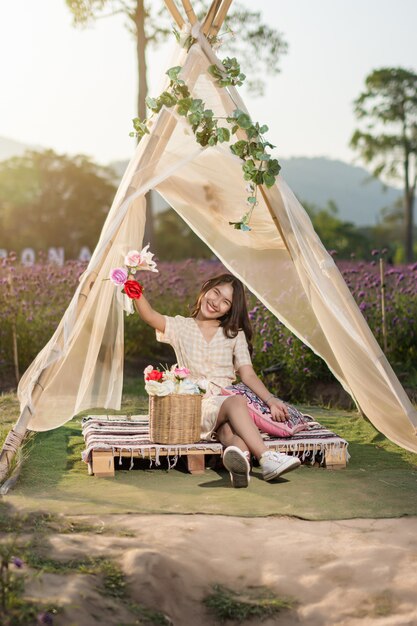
{"points": [[281, 260]]}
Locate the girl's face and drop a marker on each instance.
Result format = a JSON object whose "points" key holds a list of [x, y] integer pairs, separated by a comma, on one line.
{"points": [[217, 301]]}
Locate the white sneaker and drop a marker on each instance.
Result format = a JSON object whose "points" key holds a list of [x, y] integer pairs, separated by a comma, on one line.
{"points": [[275, 463], [237, 462]]}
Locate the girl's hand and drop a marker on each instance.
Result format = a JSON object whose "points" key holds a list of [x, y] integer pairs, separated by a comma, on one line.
{"points": [[279, 411]]}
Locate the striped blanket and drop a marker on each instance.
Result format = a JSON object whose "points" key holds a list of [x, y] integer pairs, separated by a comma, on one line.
{"points": [[130, 434]]}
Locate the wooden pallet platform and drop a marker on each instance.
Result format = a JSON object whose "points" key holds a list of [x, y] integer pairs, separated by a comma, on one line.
{"points": [[102, 462]]}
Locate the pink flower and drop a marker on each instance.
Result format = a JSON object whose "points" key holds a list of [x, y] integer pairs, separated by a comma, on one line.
{"points": [[181, 372], [146, 260], [142, 260], [118, 276], [133, 258]]}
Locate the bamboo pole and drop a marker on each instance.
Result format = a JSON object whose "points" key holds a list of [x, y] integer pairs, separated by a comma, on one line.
{"points": [[211, 14], [212, 57], [15, 353], [274, 218], [15, 350], [383, 309], [189, 11], [219, 19], [172, 8]]}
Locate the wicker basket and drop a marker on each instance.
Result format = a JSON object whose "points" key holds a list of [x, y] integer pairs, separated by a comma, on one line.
{"points": [[175, 418]]}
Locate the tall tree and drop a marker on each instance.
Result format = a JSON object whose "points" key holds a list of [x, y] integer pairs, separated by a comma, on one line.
{"points": [[342, 237], [51, 200], [259, 46], [175, 240], [388, 106]]}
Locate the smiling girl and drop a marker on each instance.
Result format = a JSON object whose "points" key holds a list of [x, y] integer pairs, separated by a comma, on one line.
{"points": [[215, 344]]}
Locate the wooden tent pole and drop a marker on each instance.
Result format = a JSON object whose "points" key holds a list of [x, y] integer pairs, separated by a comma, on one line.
{"points": [[219, 19], [383, 310], [274, 218], [211, 14], [211, 56], [189, 11], [172, 8]]}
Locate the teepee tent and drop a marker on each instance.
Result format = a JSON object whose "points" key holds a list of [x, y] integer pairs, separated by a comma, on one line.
{"points": [[281, 260]]}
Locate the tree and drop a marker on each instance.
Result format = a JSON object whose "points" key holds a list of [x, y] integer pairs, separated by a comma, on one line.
{"points": [[388, 233], [260, 47], [51, 200], [342, 237], [388, 106], [175, 240]]}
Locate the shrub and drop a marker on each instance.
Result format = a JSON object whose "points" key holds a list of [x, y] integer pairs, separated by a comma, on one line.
{"points": [[35, 298]]}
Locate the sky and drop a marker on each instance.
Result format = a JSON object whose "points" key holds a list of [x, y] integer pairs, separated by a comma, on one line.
{"points": [[74, 90]]}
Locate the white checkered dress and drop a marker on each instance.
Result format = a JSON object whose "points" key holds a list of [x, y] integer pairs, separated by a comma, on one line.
{"points": [[217, 360]]}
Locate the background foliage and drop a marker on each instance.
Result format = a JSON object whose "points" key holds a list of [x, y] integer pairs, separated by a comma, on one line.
{"points": [[51, 200], [39, 295]]}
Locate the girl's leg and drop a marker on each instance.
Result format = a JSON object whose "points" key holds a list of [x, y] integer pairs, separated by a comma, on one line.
{"points": [[234, 411], [228, 437]]}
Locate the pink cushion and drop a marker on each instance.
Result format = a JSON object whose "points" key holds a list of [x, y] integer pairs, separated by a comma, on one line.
{"points": [[261, 415]]}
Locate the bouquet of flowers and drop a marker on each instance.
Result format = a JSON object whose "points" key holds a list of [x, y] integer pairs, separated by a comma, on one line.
{"points": [[125, 276], [174, 380]]}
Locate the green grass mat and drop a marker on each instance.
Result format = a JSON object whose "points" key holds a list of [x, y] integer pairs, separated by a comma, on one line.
{"points": [[380, 480]]}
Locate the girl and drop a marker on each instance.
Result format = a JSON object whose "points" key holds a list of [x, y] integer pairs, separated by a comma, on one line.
{"points": [[215, 343]]}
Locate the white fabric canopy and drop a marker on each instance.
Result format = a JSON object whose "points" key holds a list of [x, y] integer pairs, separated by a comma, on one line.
{"points": [[282, 261]]}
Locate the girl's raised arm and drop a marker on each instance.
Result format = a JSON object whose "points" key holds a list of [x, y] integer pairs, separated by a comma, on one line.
{"points": [[147, 313]]}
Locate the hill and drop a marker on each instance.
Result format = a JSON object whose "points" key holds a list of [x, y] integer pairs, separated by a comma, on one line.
{"points": [[314, 180], [319, 179]]}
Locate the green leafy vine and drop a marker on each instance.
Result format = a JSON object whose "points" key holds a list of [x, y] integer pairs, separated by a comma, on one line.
{"points": [[258, 167]]}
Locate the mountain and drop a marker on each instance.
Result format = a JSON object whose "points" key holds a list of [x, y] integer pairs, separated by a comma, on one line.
{"points": [[317, 180], [358, 198]]}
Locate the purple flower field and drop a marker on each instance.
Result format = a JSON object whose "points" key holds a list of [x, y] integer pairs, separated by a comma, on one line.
{"points": [[33, 299]]}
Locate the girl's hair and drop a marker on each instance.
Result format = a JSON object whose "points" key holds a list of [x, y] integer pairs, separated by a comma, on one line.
{"points": [[237, 317]]}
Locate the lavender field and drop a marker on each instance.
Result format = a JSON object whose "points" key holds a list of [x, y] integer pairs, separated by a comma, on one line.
{"points": [[33, 300]]}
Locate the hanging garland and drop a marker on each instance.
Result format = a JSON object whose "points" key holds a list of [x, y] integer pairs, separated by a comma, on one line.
{"points": [[258, 167]]}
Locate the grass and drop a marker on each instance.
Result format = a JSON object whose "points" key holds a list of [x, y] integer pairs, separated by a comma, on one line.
{"points": [[24, 613], [380, 480], [376, 606], [226, 604], [51, 522], [15, 608], [147, 616], [112, 581]]}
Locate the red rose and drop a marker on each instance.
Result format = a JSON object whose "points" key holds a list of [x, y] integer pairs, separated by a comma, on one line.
{"points": [[133, 289], [154, 375]]}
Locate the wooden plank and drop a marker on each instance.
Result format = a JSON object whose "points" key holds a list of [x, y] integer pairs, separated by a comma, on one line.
{"points": [[150, 452], [102, 463], [211, 14], [196, 463], [219, 19], [172, 8], [335, 459], [189, 11]]}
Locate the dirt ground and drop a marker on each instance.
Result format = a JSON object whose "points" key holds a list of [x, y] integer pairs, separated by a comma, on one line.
{"points": [[335, 573]]}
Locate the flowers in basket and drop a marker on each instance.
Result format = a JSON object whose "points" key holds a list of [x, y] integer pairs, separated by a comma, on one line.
{"points": [[125, 276], [174, 380]]}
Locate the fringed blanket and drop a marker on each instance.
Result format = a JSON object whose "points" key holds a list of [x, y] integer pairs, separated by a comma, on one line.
{"points": [[130, 435]]}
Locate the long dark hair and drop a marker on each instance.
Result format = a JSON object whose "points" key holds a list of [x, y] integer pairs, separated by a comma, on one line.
{"points": [[237, 317]]}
